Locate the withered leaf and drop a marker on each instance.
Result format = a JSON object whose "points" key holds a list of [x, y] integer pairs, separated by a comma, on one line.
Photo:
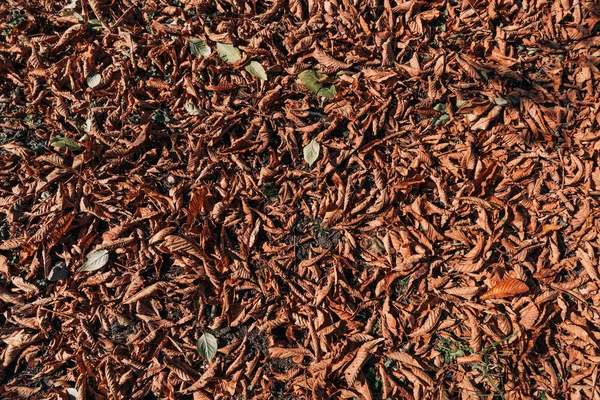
{"points": [[457, 145], [506, 288]]}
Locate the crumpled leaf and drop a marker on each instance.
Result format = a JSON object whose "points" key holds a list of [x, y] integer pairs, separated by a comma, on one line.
{"points": [[191, 108], [506, 288]]}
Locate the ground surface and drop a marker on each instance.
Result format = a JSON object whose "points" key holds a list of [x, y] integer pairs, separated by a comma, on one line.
{"points": [[443, 245]]}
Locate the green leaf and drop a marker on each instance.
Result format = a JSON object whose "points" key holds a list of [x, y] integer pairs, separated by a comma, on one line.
{"points": [[460, 103], [440, 107], [254, 68], [199, 47], [310, 79], [500, 101], [207, 346], [311, 152], [63, 142], [441, 119], [191, 108], [484, 75], [95, 260], [94, 24], [93, 79], [228, 52]]}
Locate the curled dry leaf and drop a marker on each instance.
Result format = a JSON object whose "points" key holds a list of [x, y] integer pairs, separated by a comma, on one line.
{"points": [[506, 288]]}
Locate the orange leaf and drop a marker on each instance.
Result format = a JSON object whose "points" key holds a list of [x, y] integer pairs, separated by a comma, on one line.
{"points": [[506, 288]]}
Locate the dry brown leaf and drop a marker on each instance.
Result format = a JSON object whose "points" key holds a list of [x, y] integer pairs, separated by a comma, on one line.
{"points": [[506, 288]]}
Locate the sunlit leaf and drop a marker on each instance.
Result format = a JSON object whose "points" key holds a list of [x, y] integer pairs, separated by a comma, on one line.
{"points": [[191, 108], [256, 69], [64, 142], [93, 79], [311, 152], [72, 393], [199, 47], [207, 346], [95, 260], [228, 52], [506, 288]]}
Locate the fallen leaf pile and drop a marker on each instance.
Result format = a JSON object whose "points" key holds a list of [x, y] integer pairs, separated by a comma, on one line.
{"points": [[303, 199]]}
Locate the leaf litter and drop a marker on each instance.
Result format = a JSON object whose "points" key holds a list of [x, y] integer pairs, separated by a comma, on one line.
{"points": [[440, 241]]}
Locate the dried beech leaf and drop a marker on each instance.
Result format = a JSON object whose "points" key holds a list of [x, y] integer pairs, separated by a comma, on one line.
{"points": [[337, 245], [506, 288]]}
